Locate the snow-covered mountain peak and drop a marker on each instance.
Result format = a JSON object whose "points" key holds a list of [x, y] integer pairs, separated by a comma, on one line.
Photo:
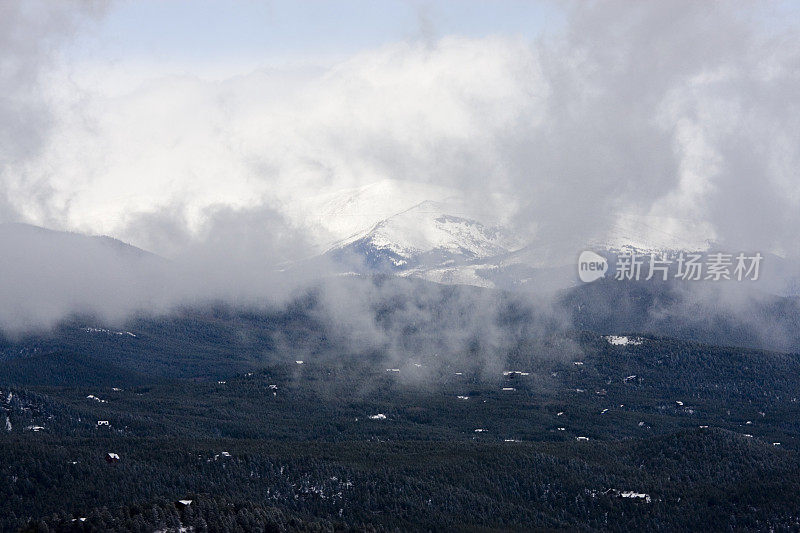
{"points": [[440, 234], [428, 234], [335, 215]]}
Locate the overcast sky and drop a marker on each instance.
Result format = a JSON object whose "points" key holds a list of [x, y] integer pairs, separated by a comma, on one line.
{"points": [[142, 119]]}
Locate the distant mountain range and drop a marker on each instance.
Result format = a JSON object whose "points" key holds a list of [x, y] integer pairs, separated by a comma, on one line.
{"points": [[16, 238], [405, 229], [426, 241], [46, 274], [434, 233]]}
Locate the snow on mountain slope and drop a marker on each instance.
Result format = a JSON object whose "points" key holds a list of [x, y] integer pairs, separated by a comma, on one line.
{"points": [[431, 232], [333, 216], [629, 232], [655, 234], [426, 231], [427, 235]]}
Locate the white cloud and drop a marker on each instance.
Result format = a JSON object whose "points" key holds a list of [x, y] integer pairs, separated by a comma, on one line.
{"points": [[680, 108], [641, 110], [405, 111]]}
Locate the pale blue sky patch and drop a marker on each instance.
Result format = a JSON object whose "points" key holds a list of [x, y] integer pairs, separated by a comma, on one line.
{"points": [[214, 31]]}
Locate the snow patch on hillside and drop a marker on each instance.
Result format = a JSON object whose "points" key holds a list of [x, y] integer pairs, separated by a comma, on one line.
{"points": [[618, 340]]}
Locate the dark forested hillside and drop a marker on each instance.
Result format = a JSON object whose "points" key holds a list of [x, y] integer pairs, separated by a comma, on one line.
{"points": [[706, 312], [440, 417], [578, 431], [705, 480]]}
